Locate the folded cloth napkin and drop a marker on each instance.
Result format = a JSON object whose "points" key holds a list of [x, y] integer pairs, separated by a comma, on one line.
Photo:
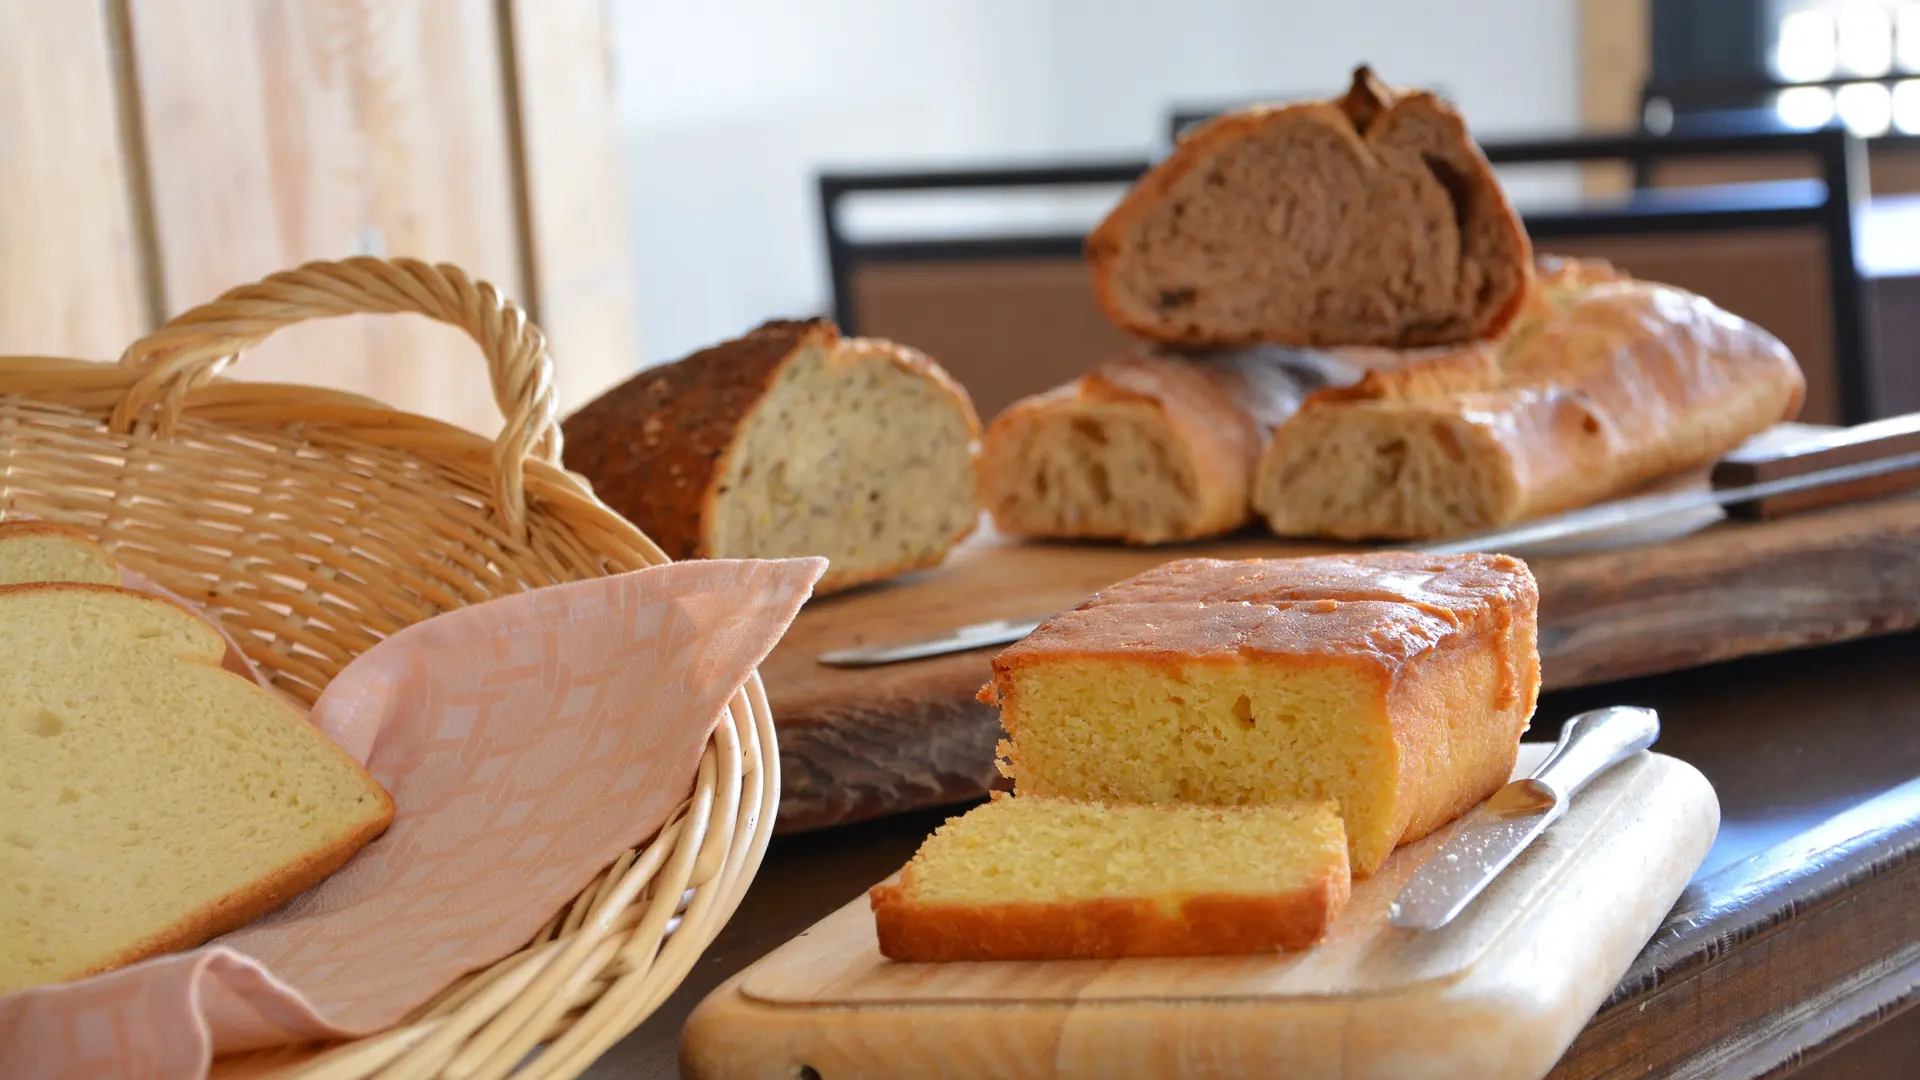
{"points": [[526, 741]]}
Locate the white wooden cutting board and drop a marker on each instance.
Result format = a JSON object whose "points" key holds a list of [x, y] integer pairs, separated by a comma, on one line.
{"points": [[1499, 993]]}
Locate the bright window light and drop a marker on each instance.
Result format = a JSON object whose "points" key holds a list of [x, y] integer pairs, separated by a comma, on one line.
{"points": [[1804, 107], [1865, 40], [1866, 108], [1906, 37], [1807, 50], [1906, 106]]}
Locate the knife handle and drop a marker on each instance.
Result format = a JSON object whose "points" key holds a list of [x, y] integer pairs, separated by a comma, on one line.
{"points": [[1761, 463], [1593, 742]]}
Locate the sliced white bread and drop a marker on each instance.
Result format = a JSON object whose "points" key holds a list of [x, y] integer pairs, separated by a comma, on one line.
{"points": [[150, 800], [43, 551]]}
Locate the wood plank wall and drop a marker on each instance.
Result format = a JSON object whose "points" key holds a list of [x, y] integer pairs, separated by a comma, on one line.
{"points": [[156, 152]]}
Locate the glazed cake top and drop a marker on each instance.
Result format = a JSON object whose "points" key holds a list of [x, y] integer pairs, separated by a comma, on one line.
{"points": [[1388, 607]]}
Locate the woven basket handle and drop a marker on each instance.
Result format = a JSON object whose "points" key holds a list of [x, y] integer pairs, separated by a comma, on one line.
{"points": [[195, 345]]}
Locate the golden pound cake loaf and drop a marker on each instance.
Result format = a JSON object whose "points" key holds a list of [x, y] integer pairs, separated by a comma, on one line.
{"points": [[149, 800], [1033, 878], [41, 551], [1603, 384], [1372, 219], [1394, 685], [789, 441]]}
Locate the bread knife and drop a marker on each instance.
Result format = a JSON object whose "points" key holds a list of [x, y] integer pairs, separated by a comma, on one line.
{"points": [[1861, 462], [1492, 835]]}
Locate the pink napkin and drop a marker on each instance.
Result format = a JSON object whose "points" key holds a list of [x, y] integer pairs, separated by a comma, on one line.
{"points": [[526, 742]]}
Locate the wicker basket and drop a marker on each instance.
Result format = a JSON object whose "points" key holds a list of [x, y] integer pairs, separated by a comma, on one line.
{"points": [[313, 524]]}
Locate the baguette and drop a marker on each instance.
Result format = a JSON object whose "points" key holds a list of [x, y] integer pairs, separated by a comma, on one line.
{"points": [[1604, 384], [1372, 219], [1145, 449], [789, 441]]}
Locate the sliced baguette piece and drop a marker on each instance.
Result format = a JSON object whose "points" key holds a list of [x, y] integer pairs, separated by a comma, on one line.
{"points": [[1032, 878], [1604, 384], [43, 551], [790, 441], [149, 800], [1144, 449], [1160, 447], [1372, 219]]}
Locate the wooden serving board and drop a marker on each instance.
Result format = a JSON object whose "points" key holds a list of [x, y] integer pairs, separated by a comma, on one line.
{"points": [[862, 743], [1499, 993]]}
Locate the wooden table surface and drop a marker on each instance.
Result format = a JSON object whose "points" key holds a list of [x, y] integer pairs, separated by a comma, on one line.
{"points": [[1796, 950]]}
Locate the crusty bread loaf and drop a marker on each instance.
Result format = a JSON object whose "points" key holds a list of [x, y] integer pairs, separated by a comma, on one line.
{"points": [[1394, 685], [1603, 384], [1368, 220], [1145, 449], [1153, 447], [43, 551], [149, 800], [1033, 878], [790, 441]]}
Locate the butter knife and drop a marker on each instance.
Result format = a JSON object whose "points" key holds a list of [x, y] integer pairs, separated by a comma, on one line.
{"points": [[1501, 828]]}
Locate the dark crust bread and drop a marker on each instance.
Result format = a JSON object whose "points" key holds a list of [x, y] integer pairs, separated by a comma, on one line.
{"points": [[655, 447], [274, 887], [1204, 925], [1350, 116]]}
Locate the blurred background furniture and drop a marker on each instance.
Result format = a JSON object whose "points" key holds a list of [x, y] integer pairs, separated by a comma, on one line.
{"points": [[154, 153]]}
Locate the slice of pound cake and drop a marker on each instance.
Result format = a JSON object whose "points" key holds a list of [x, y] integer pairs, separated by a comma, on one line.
{"points": [[1394, 685], [1033, 878], [149, 800]]}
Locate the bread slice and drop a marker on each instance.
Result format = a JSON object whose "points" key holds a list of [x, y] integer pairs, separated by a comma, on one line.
{"points": [[1394, 685], [149, 800], [1034, 878], [1368, 220], [1604, 384], [43, 551], [790, 441]]}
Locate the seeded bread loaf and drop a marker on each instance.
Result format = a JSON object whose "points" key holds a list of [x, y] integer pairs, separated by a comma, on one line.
{"points": [[1372, 219], [1033, 878], [1394, 685], [789, 441], [149, 800], [1603, 384]]}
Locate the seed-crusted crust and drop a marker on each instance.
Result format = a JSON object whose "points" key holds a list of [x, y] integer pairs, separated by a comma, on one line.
{"points": [[1367, 109], [655, 447]]}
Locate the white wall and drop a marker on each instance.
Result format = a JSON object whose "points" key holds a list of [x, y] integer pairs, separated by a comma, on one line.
{"points": [[729, 109]]}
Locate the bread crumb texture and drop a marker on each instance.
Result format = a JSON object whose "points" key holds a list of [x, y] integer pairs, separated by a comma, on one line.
{"points": [[854, 456], [1040, 850], [149, 799]]}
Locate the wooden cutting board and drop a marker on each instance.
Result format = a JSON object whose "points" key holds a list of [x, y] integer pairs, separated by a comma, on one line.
{"points": [[1499, 993], [1691, 590]]}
